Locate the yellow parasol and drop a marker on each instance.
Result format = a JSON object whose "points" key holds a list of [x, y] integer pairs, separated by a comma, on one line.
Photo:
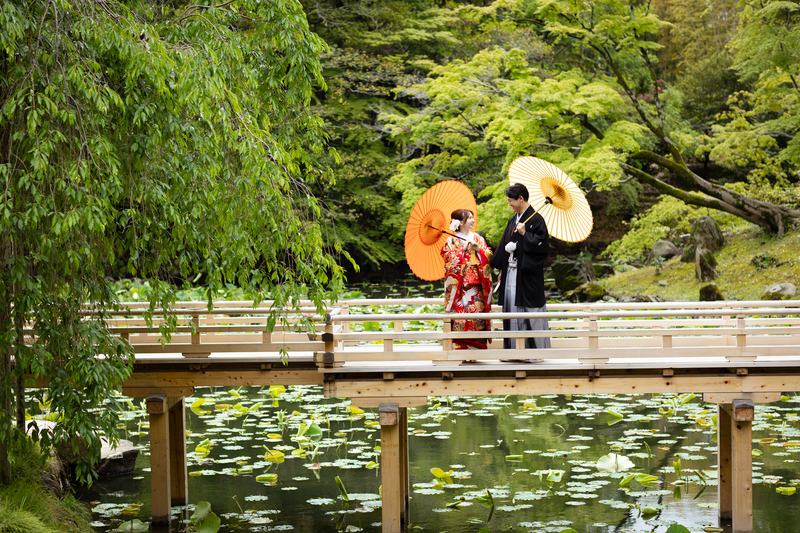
{"points": [[428, 226], [555, 196]]}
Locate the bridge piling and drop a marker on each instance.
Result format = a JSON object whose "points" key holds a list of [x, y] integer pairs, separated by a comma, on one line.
{"points": [[160, 486], [735, 463], [394, 467]]}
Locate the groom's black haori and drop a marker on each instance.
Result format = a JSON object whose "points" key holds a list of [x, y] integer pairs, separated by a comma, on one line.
{"points": [[522, 279]]}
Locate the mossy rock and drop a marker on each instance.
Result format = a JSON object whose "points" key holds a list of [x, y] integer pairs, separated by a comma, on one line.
{"points": [[710, 293], [588, 292]]}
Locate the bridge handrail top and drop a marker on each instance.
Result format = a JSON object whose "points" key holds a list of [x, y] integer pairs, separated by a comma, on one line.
{"points": [[268, 304], [435, 317]]}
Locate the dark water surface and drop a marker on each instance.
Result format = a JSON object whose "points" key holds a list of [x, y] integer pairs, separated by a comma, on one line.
{"points": [[508, 446]]}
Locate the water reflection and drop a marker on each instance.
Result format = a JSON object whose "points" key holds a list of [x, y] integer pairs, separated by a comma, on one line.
{"points": [[537, 457]]}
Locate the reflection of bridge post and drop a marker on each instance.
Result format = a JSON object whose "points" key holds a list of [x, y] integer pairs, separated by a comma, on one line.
{"points": [[394, 467], [168, 470], [735, 464]]}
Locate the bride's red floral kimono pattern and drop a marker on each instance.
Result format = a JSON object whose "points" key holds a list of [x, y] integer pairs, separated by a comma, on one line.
{"points": [[468, 286]]}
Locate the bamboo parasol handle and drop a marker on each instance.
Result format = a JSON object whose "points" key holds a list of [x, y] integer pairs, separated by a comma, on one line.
{"points": [[547, 201], [444, 231]]}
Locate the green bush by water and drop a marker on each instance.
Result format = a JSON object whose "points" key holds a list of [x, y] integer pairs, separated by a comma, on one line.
{"points": [[27, 507]]}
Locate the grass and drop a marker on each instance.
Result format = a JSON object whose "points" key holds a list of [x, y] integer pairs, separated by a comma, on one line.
{"points": [[27, 507], [748, 263]]}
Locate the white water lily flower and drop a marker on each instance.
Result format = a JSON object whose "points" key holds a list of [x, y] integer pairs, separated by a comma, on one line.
{"points": [[614, 463]]}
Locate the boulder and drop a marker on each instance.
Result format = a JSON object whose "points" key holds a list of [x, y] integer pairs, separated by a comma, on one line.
{"points": [[570, 274], [705, 233], [602, 270], [779, 291], [705, 264], [664, 249], [587, 292], [640, 298], [114, 461], [710, 293]]}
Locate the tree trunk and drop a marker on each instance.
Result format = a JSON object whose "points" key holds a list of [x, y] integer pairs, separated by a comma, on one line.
{"points": [[5, 366], [19, 361], [773, 218]]}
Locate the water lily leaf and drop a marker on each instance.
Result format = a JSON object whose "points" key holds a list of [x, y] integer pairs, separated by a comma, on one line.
{"points": [[133, 526], [677, 528], [274, 456], [276, 390], [267, 478], [614, 463], [342, 490], [788, 491], [371, 465], [514, 458], [201, 511]]}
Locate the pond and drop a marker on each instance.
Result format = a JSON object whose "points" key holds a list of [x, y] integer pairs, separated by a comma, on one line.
{"points": [[267, 459]]}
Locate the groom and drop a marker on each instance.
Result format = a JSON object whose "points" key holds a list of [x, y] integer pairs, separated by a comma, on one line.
{"points": [[520, 257]]}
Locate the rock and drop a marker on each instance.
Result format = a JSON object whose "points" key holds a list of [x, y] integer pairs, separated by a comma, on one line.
{"points": [[664, 283], [117, 461], [705, 265], [705, 233], [588, 292], [710, 293], [602, 270], [664, 249], [640, 298], [780, 291], [570, 274], [113, 462]]}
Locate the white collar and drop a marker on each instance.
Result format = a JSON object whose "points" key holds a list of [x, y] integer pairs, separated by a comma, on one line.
{"points": [[463, 235]]}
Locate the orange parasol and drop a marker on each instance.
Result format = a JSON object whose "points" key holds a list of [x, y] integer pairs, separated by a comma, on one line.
{"points": [[428, 226], [557, 198]]}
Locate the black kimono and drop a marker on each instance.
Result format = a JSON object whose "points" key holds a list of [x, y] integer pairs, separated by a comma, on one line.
{"points": [[531, 254], [526, 292]]}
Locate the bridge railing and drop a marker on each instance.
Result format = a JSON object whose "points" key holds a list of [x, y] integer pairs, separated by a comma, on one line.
{"points": [[591, 333], [190, 329], [364, 330]]}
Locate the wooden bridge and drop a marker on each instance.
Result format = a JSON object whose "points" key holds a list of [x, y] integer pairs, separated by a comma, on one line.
{"points": [[393, 354]]}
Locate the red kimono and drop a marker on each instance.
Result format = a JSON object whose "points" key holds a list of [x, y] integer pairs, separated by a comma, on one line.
{"points": [[468, 285]]}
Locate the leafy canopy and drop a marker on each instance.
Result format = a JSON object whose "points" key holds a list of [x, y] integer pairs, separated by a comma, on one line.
{"points": [[173, 139]]}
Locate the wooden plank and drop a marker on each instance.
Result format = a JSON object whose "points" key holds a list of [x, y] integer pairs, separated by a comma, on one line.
{"points": [[144, 390], [556, 385], [405, 483], [177, 380], [393, 508], [410, 401], [724, 447], [178, 475], [728, 397], [160, 484], [741, 473]]}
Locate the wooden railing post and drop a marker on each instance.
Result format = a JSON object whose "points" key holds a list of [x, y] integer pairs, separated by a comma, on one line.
{"points": [[740, 416]]}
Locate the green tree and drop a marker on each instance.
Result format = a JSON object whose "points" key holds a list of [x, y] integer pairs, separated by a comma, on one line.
{"points": [[177, 136], [759, 133], [608, 118]]}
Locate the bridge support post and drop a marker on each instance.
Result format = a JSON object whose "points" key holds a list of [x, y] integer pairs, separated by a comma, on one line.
{"points": [[168, 467], [179, 475], [735, 464], [160, 497], [394, 467]]}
